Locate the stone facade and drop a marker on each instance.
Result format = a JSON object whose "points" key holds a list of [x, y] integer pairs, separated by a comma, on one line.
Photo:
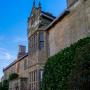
{"points": [[30, 66], [18, 66], [18, 84], [47, 35], [37, 46], [72, 27]]}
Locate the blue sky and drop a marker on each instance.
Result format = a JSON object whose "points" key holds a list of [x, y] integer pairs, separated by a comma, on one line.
{"points": [[13, 25]]}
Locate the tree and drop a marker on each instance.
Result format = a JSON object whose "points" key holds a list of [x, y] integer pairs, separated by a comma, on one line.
{"points": [[13, 76], [4, 85]]}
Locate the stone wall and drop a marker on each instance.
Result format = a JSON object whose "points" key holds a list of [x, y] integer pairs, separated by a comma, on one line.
{"points": [[10, 70], [23, 68], [71, 28], [18, 84], [18, 68]]}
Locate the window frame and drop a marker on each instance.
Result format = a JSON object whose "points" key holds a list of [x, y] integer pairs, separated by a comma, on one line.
{"points": [[41, 39]]}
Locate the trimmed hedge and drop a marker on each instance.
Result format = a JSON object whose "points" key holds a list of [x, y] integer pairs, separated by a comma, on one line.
{"points": [[69, 69]]}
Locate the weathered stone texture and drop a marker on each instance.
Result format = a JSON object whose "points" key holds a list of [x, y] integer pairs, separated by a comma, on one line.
{"points": [[63, 33], [71, 28], [23, 72], [18, 84], [17, 68], [70, 2]]}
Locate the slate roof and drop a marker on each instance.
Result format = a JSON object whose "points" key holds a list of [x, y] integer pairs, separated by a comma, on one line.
{"points": [[48, 15], [14, 62], [55, 21]]}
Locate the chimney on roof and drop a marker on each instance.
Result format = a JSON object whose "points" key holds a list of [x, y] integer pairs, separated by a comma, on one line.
{"points": [[22, 51]]}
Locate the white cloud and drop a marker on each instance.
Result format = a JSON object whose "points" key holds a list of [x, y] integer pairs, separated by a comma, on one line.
{"points": [[5, 59], [5, 55], [8, 56]]}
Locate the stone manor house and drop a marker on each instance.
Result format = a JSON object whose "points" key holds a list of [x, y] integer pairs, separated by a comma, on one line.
{"points": [[47, 35]]}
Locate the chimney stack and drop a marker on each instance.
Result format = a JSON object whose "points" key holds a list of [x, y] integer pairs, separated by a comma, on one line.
{"points": [[22, 51]]}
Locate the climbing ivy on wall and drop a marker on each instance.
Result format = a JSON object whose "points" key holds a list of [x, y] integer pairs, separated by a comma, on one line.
{"points": [[69, 69]]}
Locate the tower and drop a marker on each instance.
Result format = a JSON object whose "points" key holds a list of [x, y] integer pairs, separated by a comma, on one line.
{"points": [[37, 44], [22, 51], [37, 22]]}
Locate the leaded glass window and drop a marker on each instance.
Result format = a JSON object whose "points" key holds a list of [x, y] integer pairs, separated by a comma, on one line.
{"points": [[41, 40]]}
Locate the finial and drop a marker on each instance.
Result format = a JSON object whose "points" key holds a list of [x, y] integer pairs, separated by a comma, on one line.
{"points": [[34, 2], [39, 4]]}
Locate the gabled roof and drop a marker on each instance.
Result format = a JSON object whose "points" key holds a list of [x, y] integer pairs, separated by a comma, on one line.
{"points": [[48, 15], [65, 13], [43, 13], [14, 62]]}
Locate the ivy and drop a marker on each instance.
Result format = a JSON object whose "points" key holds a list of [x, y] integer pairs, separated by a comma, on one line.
{"points": [[68, 68]]}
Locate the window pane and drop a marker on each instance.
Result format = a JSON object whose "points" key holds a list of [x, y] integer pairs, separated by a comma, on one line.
{"points": [[25, 64], [41, 36], [41, 75], [41, 44], [41, 40]]}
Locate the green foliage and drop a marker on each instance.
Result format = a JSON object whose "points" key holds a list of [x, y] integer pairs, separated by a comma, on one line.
{"points": [[4, 85], [80, 76], [0, 85], [69, 69], [13, 76]]}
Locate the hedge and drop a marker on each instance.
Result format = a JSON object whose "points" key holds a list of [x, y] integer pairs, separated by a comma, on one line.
{"points": [[69, 69]]}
